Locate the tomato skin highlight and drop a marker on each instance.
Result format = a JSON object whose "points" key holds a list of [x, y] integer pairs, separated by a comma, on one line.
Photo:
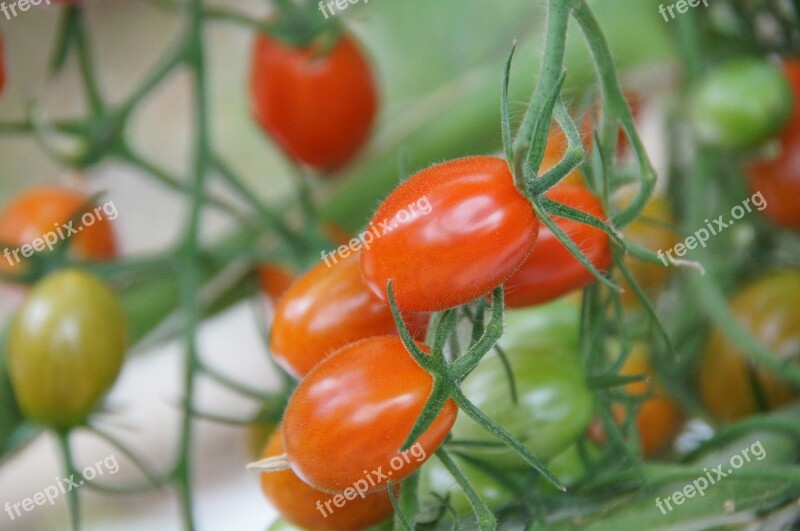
{"points": [[352, 413], [326, 309], [319, 110], [42, 210], [65, 348], [551, 270], [477, 231], [297, 502], [769, 308], [778, 178]]}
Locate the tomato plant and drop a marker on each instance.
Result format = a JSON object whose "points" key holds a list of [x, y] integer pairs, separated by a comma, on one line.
{"points": [[554, 403], [305, 506], [65, 348], [778, 177], [731, 386], [52, 210], [740, 103], [474, 231], [317, 104], [353, 412], [551, 270], [326, 309]]}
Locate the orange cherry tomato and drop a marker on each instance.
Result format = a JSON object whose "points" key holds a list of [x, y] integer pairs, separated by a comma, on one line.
{"points": [[731, 386], [326, 309], [658, 419], [346, 421], [44, 211], [551, 270], [318, 106], [307, 507]]}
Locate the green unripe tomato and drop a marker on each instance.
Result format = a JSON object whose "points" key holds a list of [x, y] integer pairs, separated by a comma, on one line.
{"points": [[556, 323], [435, 482], [65, 348], [555, 403], [740, 104]]}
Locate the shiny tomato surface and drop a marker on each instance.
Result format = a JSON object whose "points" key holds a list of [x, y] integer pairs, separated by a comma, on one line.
{"points": [[450, 234], [326, 309], [310, 508], [346, 421], [319, 106]]}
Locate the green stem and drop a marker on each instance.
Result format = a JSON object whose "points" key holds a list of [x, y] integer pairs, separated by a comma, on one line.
{"points": [[614, 103], [71, 473], [86, 63], [486, 520], [558, 13], [131, 157], [191, 277], [270, 220], [491, 426]]}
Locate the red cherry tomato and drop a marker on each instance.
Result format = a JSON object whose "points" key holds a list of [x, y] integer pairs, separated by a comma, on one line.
{"points": [[449, 234], [778, 178], [304, 506], [326, 309], [551, 270], [40, 211], [318, 108], [346, 421]]}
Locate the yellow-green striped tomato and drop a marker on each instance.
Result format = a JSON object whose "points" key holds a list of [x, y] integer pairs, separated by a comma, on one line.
{"points": [[65, 348]]}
